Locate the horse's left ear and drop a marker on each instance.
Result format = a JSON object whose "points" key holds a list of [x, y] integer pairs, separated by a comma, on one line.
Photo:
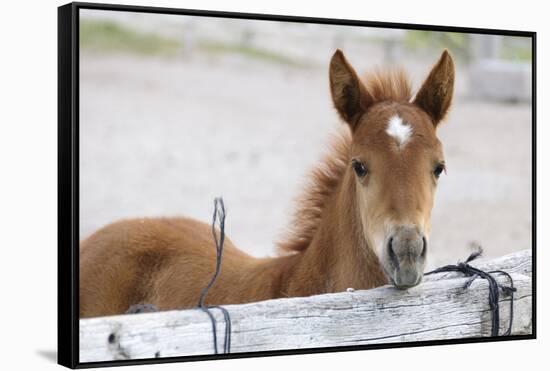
{"points": [[436, 93]]}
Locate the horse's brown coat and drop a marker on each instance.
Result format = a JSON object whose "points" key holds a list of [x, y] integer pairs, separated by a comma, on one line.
{"points": [[331, 246]]}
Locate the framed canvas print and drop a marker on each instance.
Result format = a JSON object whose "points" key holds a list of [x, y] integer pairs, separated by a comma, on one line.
{"points": [[242, 185]]}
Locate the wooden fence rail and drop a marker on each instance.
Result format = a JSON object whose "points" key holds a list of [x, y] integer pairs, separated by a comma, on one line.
{"points": [[439, 308]]}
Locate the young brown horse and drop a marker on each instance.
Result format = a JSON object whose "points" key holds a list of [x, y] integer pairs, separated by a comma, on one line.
{"points": [[364, 220]]}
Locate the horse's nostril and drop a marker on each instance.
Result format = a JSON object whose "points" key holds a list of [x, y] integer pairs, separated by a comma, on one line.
{"points": [[391, 253], [424, 247]]}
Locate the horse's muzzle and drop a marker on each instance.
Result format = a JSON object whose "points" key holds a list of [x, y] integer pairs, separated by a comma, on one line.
{"points": [[406, 251]]}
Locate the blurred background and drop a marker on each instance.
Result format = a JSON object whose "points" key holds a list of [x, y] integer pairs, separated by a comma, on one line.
{"points": [[176, 110]]}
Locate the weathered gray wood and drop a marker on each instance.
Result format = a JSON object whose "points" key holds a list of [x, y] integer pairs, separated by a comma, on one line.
{"points": [[437, 309]]}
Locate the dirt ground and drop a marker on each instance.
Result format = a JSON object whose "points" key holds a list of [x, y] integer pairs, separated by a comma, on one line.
{"points": [[165, 136]]}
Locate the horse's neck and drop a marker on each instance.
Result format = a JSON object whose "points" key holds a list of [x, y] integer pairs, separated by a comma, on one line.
{"points": [[338, 256]]}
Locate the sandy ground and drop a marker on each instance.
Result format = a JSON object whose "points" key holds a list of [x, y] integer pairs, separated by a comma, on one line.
{"points": [[165, 136]]}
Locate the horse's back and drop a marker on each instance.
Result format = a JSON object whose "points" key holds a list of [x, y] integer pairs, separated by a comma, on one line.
{"points": [[126, 262]]}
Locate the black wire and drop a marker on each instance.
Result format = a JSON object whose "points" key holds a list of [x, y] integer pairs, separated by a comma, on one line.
{"points": [[473, 272], [509, 290], [219, 215]]}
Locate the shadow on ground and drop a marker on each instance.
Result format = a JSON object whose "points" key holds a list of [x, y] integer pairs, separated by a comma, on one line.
{"points": [[50, 355]]}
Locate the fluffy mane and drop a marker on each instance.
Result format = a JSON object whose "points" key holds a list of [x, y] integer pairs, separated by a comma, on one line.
{"points": [[388, 85], [324, 179]]}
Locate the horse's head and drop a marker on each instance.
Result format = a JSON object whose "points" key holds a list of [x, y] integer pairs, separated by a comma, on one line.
{"points": [[396, 159]]}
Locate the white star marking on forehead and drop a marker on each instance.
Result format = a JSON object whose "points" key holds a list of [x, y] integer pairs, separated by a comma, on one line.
{"points": [[400, 131]]}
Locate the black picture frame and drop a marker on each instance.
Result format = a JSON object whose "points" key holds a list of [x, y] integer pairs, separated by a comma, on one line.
{"points": [[68, 177]]}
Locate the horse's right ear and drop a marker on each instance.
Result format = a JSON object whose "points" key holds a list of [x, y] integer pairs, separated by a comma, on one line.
{"points": [[350, 97], [436, 93]]}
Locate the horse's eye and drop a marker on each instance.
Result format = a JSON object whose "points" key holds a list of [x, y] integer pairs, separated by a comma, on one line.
{"points": [[359, 168], [439, 169]]}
